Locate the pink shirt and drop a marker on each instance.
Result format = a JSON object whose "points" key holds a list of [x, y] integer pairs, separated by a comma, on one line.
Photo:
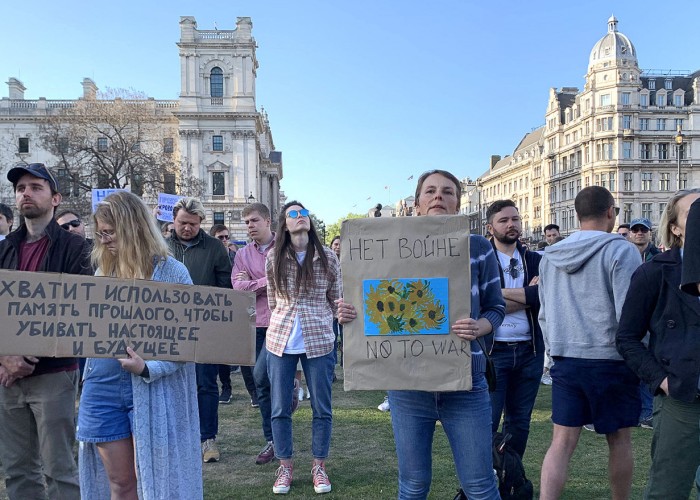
{"points": [[251, 259]]}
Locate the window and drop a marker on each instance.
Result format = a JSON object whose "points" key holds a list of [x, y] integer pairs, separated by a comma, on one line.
{"points": [[136, 147], [668, 84], [612, 186], [587, 153], [217, 143], [627, 122], [572, 219], [596, 179], [662, 207], [625, 98], [661, 99], [169, 183], [644, 124], [605, 100], [627, 150], [661, 124], [678, 100], [665, 182], [102, 144], [646, 181], [646, 210], [651, 84], [644, 100], [552, 194], [216, 82], [63, 145], [168, 145], [645, 151], [219, 218], [678, 123], [563, 191], [684, 181], [628, 181], [23, 145], [603, 180], [578, 185], [588, 180], [571, 190], [626, 213], [663, 151], [218, 186], [608, 151]]}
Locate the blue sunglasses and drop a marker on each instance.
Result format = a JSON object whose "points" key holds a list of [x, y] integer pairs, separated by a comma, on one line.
{"points": [[295, 214]]}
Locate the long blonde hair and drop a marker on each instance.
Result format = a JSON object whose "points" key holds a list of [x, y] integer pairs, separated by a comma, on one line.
{"points": [[670, 217], [140, 240]]}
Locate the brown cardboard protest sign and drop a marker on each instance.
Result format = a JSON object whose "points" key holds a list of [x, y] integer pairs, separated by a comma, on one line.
{"points": [[409, 279], [66, 315]]}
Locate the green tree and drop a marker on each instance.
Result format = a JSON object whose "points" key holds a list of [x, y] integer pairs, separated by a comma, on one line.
{"points": [[333, 230]]}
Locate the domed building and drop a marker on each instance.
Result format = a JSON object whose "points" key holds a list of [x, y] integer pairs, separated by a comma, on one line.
{"points": [[620, 132]]}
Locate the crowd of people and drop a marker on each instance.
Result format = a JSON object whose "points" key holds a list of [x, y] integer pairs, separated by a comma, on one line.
{"points": [[605, 317]]}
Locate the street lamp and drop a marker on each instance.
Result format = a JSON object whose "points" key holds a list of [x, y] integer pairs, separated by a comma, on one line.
{"points": [[679, 148], [251, 198]]}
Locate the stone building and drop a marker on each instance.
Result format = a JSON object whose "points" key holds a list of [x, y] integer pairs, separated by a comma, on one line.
{"points": [[620, 132], [214, 132]]}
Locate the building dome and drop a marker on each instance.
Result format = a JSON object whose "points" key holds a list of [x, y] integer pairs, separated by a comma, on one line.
{"points": [[613, 48]]}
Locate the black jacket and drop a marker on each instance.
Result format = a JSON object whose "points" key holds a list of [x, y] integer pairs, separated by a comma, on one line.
{"points": [[655, 303], [691, 257], [206, 259], [67, 253], [531, 263]]}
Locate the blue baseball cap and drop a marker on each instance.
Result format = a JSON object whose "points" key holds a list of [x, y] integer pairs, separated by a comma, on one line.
{"points": [[37, 170], [642, 221]]}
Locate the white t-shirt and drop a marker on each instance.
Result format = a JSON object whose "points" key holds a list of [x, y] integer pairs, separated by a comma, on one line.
{"points": [[515, 327], [295, 342]]}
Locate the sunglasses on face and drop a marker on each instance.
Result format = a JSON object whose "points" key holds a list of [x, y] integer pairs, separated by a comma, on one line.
{"points": [[295, 214], [223, 237], [642, 229], [72, 223], [513, 269]]}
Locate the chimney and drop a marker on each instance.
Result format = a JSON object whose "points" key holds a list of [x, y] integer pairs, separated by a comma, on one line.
{"points": [[494, 159], [89, 90], [16, 89]]}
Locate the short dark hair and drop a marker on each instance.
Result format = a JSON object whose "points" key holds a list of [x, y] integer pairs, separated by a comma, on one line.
{"points": [[444, 173], [549, 227], [66, 211], [261, 208], [592, 202], [217, 228], [7, 212], [623, 226], [496, 207]]}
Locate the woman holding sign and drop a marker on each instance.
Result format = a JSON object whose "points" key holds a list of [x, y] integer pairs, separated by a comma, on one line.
{"points": [[303, 284], [465, 415], [137, 419]]}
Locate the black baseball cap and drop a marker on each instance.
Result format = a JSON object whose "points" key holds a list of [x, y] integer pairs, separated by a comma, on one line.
{"points": [[37, 170]]}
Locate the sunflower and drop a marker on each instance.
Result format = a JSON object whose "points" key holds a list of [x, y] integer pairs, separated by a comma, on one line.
{"points": [[390, 287], [433, 315], [392, 305], [395, 324], [419, 292], [414, 323], [375, 305]]}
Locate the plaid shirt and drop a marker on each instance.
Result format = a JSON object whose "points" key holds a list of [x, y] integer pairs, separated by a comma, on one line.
{"points": [[315, 307]]}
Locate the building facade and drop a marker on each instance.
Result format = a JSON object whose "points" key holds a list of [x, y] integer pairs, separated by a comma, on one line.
{"points": [[621, 132], [214, 132]]}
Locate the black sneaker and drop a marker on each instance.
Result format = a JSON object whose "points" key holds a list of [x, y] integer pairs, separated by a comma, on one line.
{"points": [[646, 423], [225, 397]]}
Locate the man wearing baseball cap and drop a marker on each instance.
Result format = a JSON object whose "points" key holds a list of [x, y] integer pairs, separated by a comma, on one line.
{"points": [[640, 235], [37, 395]]}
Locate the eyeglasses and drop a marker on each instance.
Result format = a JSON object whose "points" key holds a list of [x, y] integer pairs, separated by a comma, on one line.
{"points": [[106, 237], [72, 223], [640, 229], [295, 214], [513, 269], [223, 237]]}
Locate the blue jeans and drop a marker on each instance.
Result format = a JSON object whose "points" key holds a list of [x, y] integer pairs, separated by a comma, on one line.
{"points": [[647, 402], [518, 373], [319, 375], [466, 419], [208, 400], [262, 382]]}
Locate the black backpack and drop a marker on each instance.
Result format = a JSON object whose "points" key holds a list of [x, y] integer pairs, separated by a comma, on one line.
{"points": [[512, 483]]}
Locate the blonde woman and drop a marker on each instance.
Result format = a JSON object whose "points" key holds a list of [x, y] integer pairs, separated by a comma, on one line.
{"points": [[138, 422]]}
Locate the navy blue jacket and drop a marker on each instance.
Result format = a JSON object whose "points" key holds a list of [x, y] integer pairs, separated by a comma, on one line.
{"points": [[531, 263]]}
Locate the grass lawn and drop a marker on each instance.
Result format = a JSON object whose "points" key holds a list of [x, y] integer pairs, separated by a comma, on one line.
{"points": [[363, 464]]}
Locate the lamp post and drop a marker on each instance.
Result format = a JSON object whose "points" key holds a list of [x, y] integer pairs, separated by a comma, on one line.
{"points": [[679, 149], [251, 198]]}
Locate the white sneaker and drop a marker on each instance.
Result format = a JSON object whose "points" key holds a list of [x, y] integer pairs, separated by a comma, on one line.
{"points": [[385, 405], [301, 394], [308, 394]]}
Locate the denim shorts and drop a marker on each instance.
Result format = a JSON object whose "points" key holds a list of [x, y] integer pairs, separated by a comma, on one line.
{"points": [[106, 403], [598, 391]]}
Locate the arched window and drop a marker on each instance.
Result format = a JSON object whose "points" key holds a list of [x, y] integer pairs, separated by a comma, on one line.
{"points": [[216, 85]]}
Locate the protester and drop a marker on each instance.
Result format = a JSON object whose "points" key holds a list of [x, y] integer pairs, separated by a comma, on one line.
{"points": [[303, 282], [220, 232], [551, 233], [670, 365], [641, 235], [583, 283], [337, 328], [208, 264], [166, 229], [691, 261], [71, 222], [518, 348], [465, 415], [37, 395], [248, 274], [624, 230], [6, 220], [136, 415]]}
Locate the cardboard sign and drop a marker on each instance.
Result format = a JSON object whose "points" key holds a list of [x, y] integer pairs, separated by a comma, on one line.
{"points": [[166, 202], [66, 315], [100, 194], [409, 279]]}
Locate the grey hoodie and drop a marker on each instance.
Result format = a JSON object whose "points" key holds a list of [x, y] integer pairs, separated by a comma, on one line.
{"points": [[583, 284]]}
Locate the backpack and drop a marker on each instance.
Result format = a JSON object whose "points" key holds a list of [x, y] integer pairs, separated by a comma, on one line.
{"points": [[508, 467]]}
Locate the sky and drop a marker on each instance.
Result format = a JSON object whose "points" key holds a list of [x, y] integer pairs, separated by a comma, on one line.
{"points": [[360, 95]]}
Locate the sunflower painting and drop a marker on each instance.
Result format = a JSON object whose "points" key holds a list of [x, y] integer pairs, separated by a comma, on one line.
{"points": [[406, 306]]}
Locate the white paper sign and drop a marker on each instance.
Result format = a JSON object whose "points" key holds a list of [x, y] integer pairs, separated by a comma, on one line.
{"points": [[166, 202]]}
